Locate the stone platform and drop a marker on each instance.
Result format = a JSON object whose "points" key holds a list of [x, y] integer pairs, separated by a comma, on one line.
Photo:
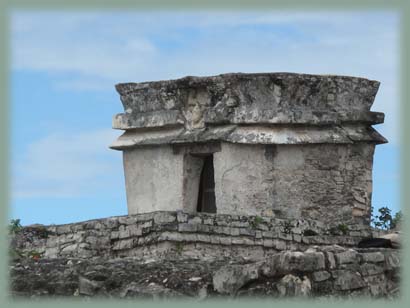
{"points": [[191, 235], [174, 254]]}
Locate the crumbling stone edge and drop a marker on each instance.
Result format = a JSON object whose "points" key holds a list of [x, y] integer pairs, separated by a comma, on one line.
{"points": [[162, 233]]}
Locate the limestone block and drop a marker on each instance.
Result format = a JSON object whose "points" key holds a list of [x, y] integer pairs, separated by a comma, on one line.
{"points": [[51, 252], [164, 217], [225, 240], [279, 244], [123, 244], [368, 269], [247, 231], [204, 228], [63, 229], [292, 286], [347, 280], [320, 276], [234, 231], [204, 238], [124, 234], [373, 257], [186, 227], [229, 279], [182, 217], [330, 260], [392, 261], [349, 256], [69, 249], [88, 287], [111, 222]]}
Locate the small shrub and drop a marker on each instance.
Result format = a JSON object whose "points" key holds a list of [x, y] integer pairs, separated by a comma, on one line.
{"points": [[385, 220], [256, 221], [343, 228], [397, 219], [33, 254], [14, 226], [179, 247]]}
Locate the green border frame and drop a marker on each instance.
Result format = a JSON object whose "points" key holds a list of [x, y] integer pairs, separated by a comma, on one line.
{"points": [[402, 6]]}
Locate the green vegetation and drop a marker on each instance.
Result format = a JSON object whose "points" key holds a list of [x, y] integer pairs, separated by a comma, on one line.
{"points": [[14, 226], [179, 248], [16, 254], [256, 221], [385, 220], [343, 228], [33, 254]]}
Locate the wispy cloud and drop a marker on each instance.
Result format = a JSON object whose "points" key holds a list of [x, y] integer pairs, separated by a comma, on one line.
{"points": [[68, 165], [140, 46]]}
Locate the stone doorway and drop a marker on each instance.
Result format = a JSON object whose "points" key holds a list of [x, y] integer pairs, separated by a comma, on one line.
{"points": [[206, 191]]}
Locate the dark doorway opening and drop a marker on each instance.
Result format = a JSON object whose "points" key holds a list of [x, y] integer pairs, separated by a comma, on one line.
{"points": [[206, 193]]}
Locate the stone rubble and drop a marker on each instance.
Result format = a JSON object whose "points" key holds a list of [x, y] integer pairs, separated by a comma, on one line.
{"points": [[285, 274], [109, 258]]}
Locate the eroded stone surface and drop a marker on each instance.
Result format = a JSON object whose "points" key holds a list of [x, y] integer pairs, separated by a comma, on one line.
{"points": [[160, 234], [283, 145], [157, 256], [199, 278], [274, 98]]}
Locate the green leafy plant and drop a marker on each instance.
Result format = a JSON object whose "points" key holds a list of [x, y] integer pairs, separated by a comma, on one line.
{"points": [[16, 254], [14, 226], [343, 228], [33, 254], [179, 247], [397, 219], [256, 221], [385, 220]]}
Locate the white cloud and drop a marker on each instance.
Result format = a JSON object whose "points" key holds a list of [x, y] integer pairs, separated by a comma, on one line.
{"points": [[100, 49], [68, 165]]}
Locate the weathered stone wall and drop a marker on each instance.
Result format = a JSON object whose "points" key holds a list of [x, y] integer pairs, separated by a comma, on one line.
{"points": [[329, 272], [177, 233], [329, 181], [167, 254], [153, 179], [318, 271]]}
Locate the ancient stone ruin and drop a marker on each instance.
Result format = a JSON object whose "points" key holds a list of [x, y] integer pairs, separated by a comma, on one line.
{"points": [[275, 145], [237, 185]]}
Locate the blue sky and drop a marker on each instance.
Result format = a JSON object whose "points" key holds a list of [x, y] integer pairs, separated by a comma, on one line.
{"points": [[64, 66]]}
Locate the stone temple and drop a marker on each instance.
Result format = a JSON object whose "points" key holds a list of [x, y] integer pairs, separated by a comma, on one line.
{"points": [[271, 144], [237, 185]]}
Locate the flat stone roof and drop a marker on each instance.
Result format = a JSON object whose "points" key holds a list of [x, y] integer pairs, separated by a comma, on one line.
{"points": [[267, 108]]}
